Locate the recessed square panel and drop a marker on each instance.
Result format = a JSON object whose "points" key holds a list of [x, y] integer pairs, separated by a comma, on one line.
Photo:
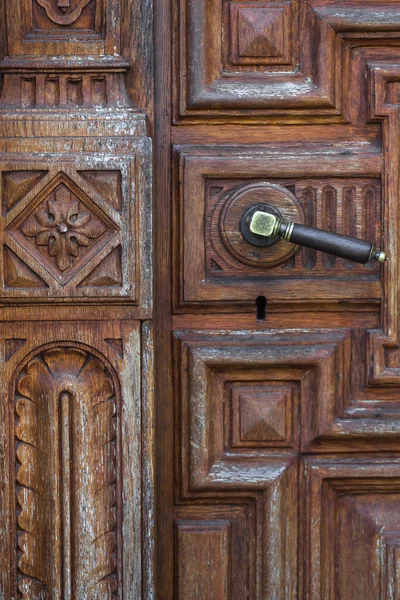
{"points": [[351, 525]]}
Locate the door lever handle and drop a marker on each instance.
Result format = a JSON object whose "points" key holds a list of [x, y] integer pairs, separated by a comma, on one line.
{"points": [[263, 221]]}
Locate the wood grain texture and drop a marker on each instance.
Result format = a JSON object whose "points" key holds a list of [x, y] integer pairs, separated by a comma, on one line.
{"points": [[271, 480], [313, 40], [74, 471], [78, 229], [214, 264], [260, 34], [203, 551], [67, 456], [76, 434], [384, 87], [363, 494], [75, 181], [231, 110]]}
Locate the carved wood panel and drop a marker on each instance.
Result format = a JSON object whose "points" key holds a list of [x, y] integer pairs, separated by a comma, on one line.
{"points": [[248, 403], [76, 353], [217, 185], [364, 496], [68, 464], [286, 361], [74, 470], [288, 60], [70, 27], [75, 227], [271, 480], [75, 171]]}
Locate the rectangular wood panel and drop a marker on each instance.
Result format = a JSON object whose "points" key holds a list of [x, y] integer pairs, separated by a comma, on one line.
{"points": [[203, 555], [332, 188], [73, 466]]}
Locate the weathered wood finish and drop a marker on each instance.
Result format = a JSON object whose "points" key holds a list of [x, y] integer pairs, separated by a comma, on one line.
{"points": [[284, 430], [76, 347], [276, 438]]}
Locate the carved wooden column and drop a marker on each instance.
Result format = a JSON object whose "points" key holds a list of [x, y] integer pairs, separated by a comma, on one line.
{"points": [[75, 293]]}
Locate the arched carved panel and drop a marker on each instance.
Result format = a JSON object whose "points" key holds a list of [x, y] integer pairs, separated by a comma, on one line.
{"points": [[67, 479], [63, 12]]}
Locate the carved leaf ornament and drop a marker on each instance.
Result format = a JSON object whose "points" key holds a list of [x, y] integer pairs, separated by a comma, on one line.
{"points": [[63, 227], [66, 477], [63, 12]]}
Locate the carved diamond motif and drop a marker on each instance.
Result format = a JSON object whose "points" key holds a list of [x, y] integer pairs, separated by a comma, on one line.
{"points": [[63, 230], [62, 225]]}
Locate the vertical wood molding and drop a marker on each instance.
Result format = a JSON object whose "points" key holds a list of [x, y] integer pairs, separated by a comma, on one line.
{"points": [[77, 442], [67, 468], [384, 345], [75, 287], [76, 189]]}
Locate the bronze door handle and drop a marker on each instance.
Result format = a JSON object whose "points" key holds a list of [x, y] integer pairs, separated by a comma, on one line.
{"points": [[263, 223]]}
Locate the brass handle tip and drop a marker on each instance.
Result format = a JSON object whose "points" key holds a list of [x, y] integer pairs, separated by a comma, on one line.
{"points": [[381, 257], [263, 223]]}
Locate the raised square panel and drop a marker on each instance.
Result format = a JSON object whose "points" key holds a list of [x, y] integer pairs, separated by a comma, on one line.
{"points": [[351, 526], [339, 191], [262, 414], [260, 33], [251, 395], [229, 385], [222, 44], [235, 60], [76, 229]]}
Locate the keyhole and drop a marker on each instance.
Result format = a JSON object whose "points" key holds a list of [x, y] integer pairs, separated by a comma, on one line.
{"points": [[261, 306]]}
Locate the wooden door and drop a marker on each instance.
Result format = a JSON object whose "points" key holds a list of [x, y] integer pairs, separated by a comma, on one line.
{"points": [[268, 467], [278, 465]]}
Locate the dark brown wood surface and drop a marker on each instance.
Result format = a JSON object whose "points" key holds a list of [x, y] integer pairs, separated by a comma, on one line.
{"points": [[268, 465], [76, 408], [282, 432]]}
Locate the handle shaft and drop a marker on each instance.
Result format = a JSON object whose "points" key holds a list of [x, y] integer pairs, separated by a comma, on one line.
{"points": [[349, 248], [265, 224]]}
